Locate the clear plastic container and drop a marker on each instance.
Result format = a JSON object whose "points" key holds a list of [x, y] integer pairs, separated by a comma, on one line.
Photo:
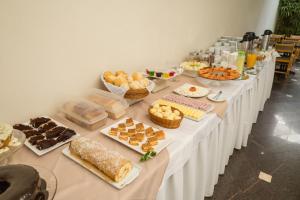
{"points": [[85, 113], [115, 106]]}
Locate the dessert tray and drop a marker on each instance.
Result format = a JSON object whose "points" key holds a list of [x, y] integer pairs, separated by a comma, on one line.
{"points": [[161, 143], [219, 73], [134, 173], [28, 143], [190, 90]]}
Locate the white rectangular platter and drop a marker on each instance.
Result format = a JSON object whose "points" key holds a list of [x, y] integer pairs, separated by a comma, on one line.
{"points": [[119, 185], [160, 146], [44, 151]]}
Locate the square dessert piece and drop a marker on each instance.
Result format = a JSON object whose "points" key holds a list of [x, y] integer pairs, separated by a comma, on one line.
{"points": [[152, 141], [146, 147], [140, 127], [67, 134], [123, 136], [133, 141], [122, 127], [22, 127], [149, 132], [37, 122], [129, 122], [160, 135], [139, 136], [34, 139], [47, 126], [30, 133], [113, 131], [131, 132], [45, 144]]}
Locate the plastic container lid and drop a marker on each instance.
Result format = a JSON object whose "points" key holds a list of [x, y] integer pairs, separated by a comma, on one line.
{"points": [[111, 102], [84, 111]]}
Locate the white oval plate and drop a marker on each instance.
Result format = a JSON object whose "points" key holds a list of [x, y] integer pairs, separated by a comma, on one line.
{"points": [[221, 98], [183, 90]]}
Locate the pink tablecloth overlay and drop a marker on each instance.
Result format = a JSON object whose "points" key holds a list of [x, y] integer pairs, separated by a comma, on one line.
{"points": [[75, 182]]}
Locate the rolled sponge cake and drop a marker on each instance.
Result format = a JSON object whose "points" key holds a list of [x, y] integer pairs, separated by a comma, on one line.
{"points": [[109, 162]]}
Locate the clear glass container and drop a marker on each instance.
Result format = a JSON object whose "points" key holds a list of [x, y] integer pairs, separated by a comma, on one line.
{"points": [[114, 105], [85, 113]]}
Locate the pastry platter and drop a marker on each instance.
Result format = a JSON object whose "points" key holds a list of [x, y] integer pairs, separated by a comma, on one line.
{"points": [[138, 148], [51, 148], [190, 90], [134, 173]]}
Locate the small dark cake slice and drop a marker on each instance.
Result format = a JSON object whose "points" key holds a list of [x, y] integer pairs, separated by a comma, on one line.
{"points": [[37, 122], [45, 144], [68, 133], [22, 127], [45, 127], [55, 132], [34, 139], [21, 182], [30, 133]]}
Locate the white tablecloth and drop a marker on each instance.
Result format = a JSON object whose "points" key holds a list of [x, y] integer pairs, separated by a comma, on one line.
{"points": [[201, 150]]}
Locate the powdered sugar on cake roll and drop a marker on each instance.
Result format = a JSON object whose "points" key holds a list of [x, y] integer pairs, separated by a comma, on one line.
{"points": [[109, 162]]}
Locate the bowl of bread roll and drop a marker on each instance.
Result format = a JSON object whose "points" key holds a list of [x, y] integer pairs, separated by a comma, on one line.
{"points": [[165, 116], [133, 86]]}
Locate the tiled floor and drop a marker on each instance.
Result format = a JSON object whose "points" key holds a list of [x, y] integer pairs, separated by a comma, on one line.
{"points": [[273, 147]]}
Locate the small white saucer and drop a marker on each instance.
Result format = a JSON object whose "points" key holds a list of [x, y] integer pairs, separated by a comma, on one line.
{"points": [[221, 98]]}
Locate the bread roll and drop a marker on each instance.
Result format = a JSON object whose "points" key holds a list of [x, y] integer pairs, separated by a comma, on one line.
{"points": [[122, 73], [109, 162]]}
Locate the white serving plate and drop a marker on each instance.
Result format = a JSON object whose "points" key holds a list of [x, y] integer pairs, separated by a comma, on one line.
{"points": [[160, 146], [184, 91], [42, 152], [119, 185]]}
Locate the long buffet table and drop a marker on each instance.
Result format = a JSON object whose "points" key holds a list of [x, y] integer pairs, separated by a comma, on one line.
{"points": [[199, 153], [202, 150]]}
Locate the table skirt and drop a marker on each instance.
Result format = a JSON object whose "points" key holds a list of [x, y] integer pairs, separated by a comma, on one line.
{"points": [[197, 176]]}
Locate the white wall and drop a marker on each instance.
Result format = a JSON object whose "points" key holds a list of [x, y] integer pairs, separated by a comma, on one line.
{"points": [[51, 50]]}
